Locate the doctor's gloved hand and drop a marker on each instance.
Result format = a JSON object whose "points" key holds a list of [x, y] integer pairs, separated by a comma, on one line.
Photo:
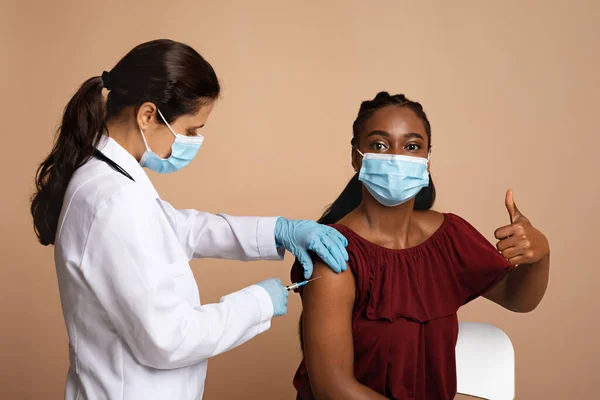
{"points": [[298, 237], [278, 293]]}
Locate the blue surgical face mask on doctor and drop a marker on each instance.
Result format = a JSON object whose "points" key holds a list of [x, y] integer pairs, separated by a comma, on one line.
{"points": [[393, 179], [183, 150]]}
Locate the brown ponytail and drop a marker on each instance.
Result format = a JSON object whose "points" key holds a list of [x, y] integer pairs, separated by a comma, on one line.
{"points": [[78, 135]]}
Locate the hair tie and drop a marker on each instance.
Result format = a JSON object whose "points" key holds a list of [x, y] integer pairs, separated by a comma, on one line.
{"points": [[106, 80]]}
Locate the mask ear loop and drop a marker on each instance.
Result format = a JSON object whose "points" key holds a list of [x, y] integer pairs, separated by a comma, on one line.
{"points": [[359, 152], [143, 159], [165, 121], [428, 160], [144, 139]]}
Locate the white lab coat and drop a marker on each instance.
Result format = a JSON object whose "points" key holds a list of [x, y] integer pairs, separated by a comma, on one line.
{"points": [[131, 305]]}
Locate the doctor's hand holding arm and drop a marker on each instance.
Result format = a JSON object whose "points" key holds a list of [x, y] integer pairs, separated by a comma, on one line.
{"points": [[301, 236], [131, 304], [205, 235]]}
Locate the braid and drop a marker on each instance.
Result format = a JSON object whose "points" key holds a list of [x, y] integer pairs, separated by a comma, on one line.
{"points": [[384, 99]]}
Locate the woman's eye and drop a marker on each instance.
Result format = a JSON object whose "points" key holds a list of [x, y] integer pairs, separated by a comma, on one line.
{"points": [[379, 146], [413, 147]]}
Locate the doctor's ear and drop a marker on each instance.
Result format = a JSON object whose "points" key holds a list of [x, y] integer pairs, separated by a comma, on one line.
{"points": [[146, 115]]}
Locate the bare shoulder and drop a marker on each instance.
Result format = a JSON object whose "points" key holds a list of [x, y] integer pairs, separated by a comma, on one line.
{"points": [[429, 221], [330, 285]]}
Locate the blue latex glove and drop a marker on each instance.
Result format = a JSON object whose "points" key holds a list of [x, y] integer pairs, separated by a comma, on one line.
{"points": [[298, 237], [278, 293]]}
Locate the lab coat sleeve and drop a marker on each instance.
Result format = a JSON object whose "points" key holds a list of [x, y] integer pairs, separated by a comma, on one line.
{"points": [[138, 272], [205, 235]]}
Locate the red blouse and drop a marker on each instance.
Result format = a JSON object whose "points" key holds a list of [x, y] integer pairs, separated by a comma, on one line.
{"points": [[404, 320]]}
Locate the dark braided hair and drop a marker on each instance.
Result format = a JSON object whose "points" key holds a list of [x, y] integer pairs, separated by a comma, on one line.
{"points": [[352, 194]]}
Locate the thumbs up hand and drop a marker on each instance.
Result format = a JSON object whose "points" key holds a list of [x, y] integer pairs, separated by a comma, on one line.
{"points": [[520, 242]]}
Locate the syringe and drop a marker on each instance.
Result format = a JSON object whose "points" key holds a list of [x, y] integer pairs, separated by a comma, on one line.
{"points": [[296, 285]]}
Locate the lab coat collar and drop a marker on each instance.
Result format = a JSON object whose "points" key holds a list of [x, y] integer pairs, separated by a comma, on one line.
{"points": [[113, 150]]}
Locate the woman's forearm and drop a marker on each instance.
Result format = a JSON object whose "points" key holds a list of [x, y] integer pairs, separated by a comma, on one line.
{"points": [[526, 285], [346, 390]]}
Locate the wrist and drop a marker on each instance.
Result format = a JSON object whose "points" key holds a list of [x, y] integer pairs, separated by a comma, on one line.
{"points": [[280, 224]]}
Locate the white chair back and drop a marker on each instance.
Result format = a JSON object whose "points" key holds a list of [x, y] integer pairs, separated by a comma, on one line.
{"points": [[485, 362]]}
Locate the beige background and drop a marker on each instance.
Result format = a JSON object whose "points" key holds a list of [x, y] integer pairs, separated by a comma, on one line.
{"points": [[512, 90]]}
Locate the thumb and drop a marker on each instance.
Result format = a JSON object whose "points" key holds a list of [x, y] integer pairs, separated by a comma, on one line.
{"points": [[306, 262], [513, 211]]}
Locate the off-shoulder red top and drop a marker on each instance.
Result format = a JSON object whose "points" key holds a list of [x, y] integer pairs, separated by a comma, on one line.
{"points": [[404, 320]]}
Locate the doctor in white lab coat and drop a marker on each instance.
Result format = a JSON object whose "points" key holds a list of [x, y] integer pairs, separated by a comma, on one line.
{"points": [[136, 327]]}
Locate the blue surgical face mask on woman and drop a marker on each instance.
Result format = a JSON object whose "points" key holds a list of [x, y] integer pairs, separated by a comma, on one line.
{"points": [[183, 150], [393, 179]]}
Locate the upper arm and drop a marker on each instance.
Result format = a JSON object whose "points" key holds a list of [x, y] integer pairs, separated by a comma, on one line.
{"points": [[205, 235], [479, 267], [499, 294], [327, 329], [512, 295]]}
